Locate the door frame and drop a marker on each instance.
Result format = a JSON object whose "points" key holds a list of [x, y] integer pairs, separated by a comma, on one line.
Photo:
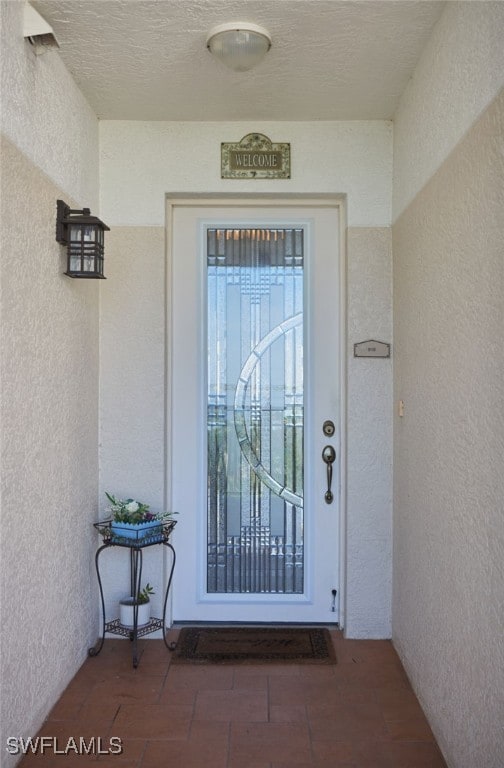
{"points": [[338, 202]]}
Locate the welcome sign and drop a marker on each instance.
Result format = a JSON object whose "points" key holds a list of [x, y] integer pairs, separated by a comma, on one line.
{"points": [[255, 157]]}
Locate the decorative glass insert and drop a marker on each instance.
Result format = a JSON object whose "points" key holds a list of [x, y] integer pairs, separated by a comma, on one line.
{"points": [[255, 411]]}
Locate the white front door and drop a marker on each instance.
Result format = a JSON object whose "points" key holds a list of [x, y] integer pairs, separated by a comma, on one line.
{"points": [[254, 371]]}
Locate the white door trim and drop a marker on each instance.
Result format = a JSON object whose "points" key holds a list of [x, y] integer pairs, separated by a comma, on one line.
{"points": [[338, 202]]}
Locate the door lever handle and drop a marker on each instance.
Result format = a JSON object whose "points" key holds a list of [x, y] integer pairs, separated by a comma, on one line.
{"points": [[328, 457]]}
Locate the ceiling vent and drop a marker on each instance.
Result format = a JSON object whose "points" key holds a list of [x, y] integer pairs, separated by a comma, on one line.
{"points": [[38, 31]]}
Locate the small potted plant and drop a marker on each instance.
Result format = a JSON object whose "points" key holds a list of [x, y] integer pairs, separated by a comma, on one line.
{"points": [[133, 519], [127, 607]]}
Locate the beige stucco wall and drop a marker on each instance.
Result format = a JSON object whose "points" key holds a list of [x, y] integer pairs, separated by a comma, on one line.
{"points": [[449, 446], [44, 113], [369, 428], [448, 578], [48, 458], [49, 394], [460, 71], [353, 159], [349, 158], [133, 397]]}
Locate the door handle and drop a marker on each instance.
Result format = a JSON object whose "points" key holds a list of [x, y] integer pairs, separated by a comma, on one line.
{"points": [[328, 457]]}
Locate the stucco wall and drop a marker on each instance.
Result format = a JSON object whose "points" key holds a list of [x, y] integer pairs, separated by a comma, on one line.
{"points": [[140, 162], [349, 158], [49, 397], [45, 114], [449, 370], [132, 400], [369, 425], [460, 71]]}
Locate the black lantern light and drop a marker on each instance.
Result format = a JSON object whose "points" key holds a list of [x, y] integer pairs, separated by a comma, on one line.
{"points": [[83, 236]]}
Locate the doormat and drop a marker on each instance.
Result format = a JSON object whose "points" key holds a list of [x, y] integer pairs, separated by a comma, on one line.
{"points": [[254, 645]]}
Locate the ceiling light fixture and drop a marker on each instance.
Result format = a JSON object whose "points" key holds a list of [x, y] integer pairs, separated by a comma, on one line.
{"points": [[239, 45]]}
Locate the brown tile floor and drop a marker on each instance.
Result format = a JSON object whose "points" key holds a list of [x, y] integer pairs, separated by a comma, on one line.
{"points": [[359, 713]]}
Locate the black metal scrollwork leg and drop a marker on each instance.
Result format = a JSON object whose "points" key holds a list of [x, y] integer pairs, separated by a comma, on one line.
{"points": [[167, 544], [136, 580], [95, 649]]}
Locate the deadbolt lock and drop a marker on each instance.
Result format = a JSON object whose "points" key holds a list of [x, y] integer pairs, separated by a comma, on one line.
{"points": [[328, 428]]}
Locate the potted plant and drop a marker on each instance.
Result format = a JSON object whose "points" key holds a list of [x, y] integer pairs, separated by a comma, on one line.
{"points": [[133, 519], [142, 602]]}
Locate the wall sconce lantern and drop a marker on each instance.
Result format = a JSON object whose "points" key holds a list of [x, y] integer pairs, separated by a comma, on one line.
{"points": [[83, 236]]}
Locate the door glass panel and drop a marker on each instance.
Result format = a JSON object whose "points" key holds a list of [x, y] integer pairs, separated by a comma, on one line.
{"points": [[255, 409]]}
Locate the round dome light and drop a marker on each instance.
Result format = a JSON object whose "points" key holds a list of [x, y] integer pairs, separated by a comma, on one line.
{"points": [[239, 45]]}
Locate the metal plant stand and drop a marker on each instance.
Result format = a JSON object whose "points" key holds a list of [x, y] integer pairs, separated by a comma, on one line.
{"points": [[160, 535]]}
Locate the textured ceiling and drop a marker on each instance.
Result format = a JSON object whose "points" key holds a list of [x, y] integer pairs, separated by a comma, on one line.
{"points": [[330, 59]]}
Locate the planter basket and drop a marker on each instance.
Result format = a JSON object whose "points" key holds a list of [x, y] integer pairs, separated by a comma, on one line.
{"points": [[136, 536], [136, 531]]}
